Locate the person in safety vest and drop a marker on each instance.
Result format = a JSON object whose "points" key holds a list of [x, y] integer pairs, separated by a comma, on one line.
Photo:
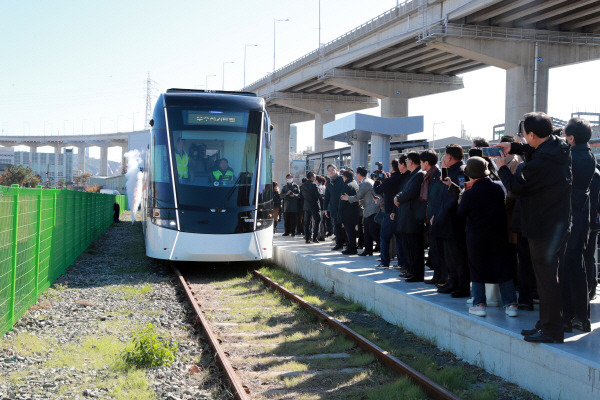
{"points": [[222, 175], [182, 159]]}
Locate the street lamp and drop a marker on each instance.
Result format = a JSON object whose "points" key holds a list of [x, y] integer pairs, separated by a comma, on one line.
{"points": [[246, 47], [206, 81], [275, 20], [225, 62], [433, 141]]}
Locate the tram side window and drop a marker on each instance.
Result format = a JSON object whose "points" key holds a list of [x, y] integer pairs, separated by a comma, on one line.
{"points": [[160, 156]]}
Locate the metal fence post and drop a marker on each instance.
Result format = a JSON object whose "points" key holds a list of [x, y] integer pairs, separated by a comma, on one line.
{"points": [[15, 238], [38, 242]]}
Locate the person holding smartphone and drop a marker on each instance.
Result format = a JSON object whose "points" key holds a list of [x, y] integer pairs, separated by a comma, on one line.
{"points": [[544, 188]]}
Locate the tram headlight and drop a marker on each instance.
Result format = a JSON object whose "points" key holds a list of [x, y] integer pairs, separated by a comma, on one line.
{"points": [[164, 218]]}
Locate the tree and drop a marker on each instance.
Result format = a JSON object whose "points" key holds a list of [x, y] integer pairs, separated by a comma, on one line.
{"points": [[61, 184], [20, 175], [82, 180]]}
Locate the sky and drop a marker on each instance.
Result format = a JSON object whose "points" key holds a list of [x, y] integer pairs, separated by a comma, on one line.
{"points": [[74, 67]]}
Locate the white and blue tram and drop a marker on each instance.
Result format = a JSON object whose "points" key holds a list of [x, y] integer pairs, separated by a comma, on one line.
{"points": [[209, 194]]}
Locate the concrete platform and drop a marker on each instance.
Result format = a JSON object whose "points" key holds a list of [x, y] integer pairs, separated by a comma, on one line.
{"points": [[552, 371]]}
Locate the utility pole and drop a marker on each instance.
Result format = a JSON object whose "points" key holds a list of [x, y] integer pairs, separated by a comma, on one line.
{"points": [[149, 83]]}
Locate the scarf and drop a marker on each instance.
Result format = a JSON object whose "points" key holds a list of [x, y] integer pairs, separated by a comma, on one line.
{"points": [[426, 181]]}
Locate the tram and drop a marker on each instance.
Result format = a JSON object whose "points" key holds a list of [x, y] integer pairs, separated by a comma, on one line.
{"points": [[208, 189]]}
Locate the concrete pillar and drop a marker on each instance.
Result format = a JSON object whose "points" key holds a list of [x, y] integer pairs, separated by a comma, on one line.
{"points": [[32, 151], [359, 154], [281, 148], [57, 165], [81, 158], [520, 93], [103, 160], [320, 120], [380, 151], [394, 107], [124, 149]]}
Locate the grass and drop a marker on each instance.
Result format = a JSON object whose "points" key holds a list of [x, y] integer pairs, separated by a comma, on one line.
{"points": [[132, 385], [26, 344], [402, 389], [132, 292], [92, 353]]}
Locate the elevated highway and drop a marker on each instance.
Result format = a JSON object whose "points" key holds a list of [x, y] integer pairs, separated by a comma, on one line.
{"points": [[419, 48], [103, 140]]}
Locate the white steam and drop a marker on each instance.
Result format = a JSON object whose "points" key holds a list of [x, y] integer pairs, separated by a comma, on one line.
{"points": [[135, 181]]}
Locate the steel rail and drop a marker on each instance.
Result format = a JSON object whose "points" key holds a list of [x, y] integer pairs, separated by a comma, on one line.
{"points": [[433, 389], [239, 389]]}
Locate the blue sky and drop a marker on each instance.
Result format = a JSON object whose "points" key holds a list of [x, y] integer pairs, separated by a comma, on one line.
{"points": [[74, 66]]}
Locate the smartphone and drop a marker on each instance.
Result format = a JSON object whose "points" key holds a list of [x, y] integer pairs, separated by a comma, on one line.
{"points": [[520, 132], [461, 181], [444, 173], [492, 151]]}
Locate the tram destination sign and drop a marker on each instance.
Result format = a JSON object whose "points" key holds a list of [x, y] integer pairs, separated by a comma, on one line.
{"points": [[215, 118]]}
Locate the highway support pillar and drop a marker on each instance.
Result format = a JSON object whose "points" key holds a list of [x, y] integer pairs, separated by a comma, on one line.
{"points": [[104, 160]]}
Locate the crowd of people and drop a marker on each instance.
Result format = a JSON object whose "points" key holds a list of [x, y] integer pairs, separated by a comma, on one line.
{"points": [[522, 219]]}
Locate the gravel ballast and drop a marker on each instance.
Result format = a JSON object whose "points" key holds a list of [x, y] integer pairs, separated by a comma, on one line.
{"points": [[68, 345]]}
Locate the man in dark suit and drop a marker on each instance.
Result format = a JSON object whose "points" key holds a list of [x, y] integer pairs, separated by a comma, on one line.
{"points": [[349, 212], [573, 280], [290, 193], [311, 206], [332, 204], [411, 220], [544, 187], [450, 229], [589, 254]]}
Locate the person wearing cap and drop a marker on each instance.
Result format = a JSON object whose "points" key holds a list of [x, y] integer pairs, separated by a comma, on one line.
{"points": [[487, 239]]}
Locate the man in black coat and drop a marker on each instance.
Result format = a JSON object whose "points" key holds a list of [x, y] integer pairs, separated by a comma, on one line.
{"points": [[389, 188], [589, 254], [349, 213], [332, 203], [544, 187], [450, 229], [411, 220], [576, 304], [290, 193], [311, 206]]}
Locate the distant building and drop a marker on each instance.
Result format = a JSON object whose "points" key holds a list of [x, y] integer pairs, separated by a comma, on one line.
{"points": [[43, 164], [7, 158], [110, 182]]}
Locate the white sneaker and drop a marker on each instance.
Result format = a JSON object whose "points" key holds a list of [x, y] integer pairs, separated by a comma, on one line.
{"points": [[470, 301], [478, 310], [511, 310]]}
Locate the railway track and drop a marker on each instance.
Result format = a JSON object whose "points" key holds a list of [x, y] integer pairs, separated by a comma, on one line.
{"points": [[267, 353]]}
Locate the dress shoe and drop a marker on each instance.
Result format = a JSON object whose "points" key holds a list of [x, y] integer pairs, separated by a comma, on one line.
{"points": [[430, 281], [350, 251], [583, 326], [316, 240], [405, 275], [365, 253], [337, 248], [307, 241], [286, 234], [447, 289], [526, 307], [382, 266], [414, 279], [460, 293], [293, 234], [529, 332], [541, 337]]}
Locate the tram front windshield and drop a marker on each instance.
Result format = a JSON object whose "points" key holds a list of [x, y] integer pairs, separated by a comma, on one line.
{"points": [[215, 156]]}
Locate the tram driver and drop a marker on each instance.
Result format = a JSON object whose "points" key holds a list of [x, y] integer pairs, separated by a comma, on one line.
{"points": [[223, 174]]}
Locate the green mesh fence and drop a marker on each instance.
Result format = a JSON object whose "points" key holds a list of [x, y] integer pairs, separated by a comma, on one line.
{"points": [[42, 232]]}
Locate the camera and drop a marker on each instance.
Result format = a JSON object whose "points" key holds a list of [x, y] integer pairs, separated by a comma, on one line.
{"points": [[378, 175]]}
